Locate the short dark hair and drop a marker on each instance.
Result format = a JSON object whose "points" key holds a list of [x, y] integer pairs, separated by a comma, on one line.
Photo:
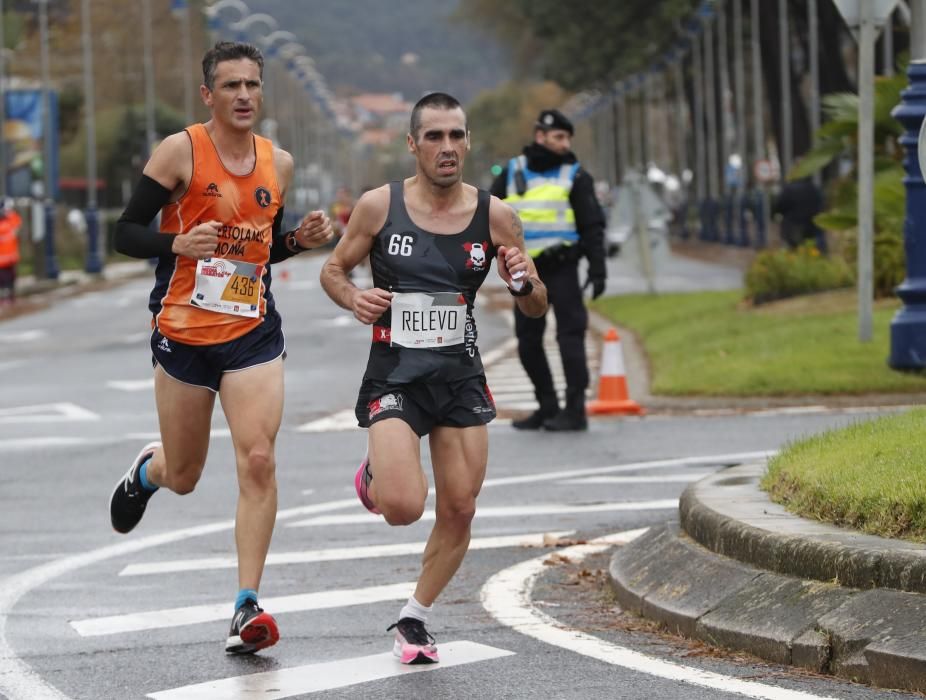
{"points": [[229, 51], [434, 100]]}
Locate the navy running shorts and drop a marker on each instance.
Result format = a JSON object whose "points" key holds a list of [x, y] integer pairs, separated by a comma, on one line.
{"points": [[426, 405], [204, 365]]}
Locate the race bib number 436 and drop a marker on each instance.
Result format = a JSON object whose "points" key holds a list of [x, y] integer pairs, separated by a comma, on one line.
{"points": [[428, 319], [228, 287]]}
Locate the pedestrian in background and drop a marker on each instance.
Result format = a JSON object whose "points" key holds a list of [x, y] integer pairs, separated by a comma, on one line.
{"points": [[797, 205], [340, 210], [555, 198], [10, 221]]}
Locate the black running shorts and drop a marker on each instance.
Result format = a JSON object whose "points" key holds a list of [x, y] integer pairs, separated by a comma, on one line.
{"points": [[426, 405], [204, 365]]}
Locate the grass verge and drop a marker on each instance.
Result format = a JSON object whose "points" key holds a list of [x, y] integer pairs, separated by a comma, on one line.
{"points": [[870, 476], [708, 344]]}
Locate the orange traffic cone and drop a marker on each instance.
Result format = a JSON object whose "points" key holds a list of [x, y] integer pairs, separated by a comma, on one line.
{"points": [[612, 383]]}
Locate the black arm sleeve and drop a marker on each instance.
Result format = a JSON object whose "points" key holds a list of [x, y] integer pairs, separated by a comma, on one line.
{"points": [[278, 249], [589, 222], [500, 185], [133, 237]]}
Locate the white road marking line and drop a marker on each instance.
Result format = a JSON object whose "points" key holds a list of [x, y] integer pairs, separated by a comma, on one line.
{"points": [[131, 384], [17, 679], [507, 597], [195, 614], [302, 285], [342, 420], [497, 353], [309, 492], [335, 554], [338, 322], [24, 444], [135, 338], [23, 336], [314, 678], [215, 432], [47, 413], [12, 364], [709, 460], [506, 512], [649, 479]]}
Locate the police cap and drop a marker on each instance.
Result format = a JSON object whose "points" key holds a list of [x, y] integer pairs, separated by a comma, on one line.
{"points": [[553, 119]]}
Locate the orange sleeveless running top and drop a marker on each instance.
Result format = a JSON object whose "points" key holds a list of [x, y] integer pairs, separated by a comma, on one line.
{"points": [[246, 205]]}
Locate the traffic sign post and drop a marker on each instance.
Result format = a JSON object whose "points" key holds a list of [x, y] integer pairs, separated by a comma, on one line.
{"points": [[865, 18]]}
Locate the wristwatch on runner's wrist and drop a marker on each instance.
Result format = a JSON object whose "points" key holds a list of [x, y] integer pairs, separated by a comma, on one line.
{"points": [[292, 243]]}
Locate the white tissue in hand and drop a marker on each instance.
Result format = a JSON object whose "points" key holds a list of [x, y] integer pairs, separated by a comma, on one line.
{"points": [[516, 284]]}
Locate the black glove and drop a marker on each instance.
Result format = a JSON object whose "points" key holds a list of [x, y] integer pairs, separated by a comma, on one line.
{"points": [[597, 283]]}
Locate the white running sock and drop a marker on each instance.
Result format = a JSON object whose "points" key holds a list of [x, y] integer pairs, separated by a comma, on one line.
{"points": [[416, 610]]}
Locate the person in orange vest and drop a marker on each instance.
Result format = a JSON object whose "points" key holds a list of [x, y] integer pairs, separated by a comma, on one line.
{"points": [[10, 221]]}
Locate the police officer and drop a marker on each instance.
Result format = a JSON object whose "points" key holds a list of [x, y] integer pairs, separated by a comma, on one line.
{"points": [[563, 222]]}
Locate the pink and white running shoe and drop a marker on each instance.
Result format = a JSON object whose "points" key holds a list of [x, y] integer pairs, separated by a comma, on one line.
{"points": [[362, 480], [413, 644]]}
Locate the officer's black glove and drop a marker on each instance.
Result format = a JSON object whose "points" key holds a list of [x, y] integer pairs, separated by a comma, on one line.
{"points": [[597, 283]]}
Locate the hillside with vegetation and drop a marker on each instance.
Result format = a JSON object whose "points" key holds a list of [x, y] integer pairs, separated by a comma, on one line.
{"points": [[407, 46]]}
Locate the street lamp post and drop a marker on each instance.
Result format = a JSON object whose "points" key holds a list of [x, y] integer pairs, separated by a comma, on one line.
{"points": [[2, 105], [94, 263], [51, 262], [148, 61], [908, 327]]}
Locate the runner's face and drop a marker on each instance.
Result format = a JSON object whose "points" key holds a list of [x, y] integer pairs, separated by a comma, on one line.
{"points": [[557, 140], [440, 145], [237, 93]]}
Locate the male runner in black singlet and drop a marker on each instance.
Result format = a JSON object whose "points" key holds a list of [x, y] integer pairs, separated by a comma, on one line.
{"points": [[431, 239]]}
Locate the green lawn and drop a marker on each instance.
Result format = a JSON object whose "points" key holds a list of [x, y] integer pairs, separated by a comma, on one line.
{"points": [[708, 344], [870, 476]]}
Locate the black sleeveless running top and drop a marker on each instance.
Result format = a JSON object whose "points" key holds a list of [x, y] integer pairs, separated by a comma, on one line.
{"points": [[408, 259]]}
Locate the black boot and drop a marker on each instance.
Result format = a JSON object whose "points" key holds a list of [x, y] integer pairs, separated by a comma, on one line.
{"points": [[572, 417], [549, 407]]}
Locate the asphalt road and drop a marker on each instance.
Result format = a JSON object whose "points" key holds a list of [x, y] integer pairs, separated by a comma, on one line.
{"points": [[87, 613]]}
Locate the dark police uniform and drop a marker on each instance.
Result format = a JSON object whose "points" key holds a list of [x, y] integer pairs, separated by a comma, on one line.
{"points": [[424, 365], [557, 266]]}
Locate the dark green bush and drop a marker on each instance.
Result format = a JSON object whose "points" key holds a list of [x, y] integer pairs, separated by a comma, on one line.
{"points": [[778, 274]]}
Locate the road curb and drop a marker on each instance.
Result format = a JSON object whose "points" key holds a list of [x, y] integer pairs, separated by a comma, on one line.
{"points": [[751, 577], [728, 514]]}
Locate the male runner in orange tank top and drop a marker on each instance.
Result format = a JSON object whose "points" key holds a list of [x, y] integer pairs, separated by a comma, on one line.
{"points": [[220, 188]]}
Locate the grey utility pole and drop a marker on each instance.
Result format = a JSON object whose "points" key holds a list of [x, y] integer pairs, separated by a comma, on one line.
{"points": [[94, 263], [866, 153], [2, 105], [48, 138], [784, 53], [813, 30], [739, 96], [697, 80], [758, 115], [150, 133]]}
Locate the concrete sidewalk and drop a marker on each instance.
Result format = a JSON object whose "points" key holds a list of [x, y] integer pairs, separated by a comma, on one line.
{"points": [[742, 573]]}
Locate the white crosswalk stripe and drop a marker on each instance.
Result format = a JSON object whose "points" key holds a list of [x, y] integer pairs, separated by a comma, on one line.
{"points": [[313, 678], [335, 554], [195, 614], [510, 386]]}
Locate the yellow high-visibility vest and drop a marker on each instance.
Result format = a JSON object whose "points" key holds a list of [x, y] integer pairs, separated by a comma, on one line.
{"points": [[544, 208]]}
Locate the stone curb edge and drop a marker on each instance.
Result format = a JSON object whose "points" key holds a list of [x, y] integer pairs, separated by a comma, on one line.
{"points": [[872, 636], [728, 514]]}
